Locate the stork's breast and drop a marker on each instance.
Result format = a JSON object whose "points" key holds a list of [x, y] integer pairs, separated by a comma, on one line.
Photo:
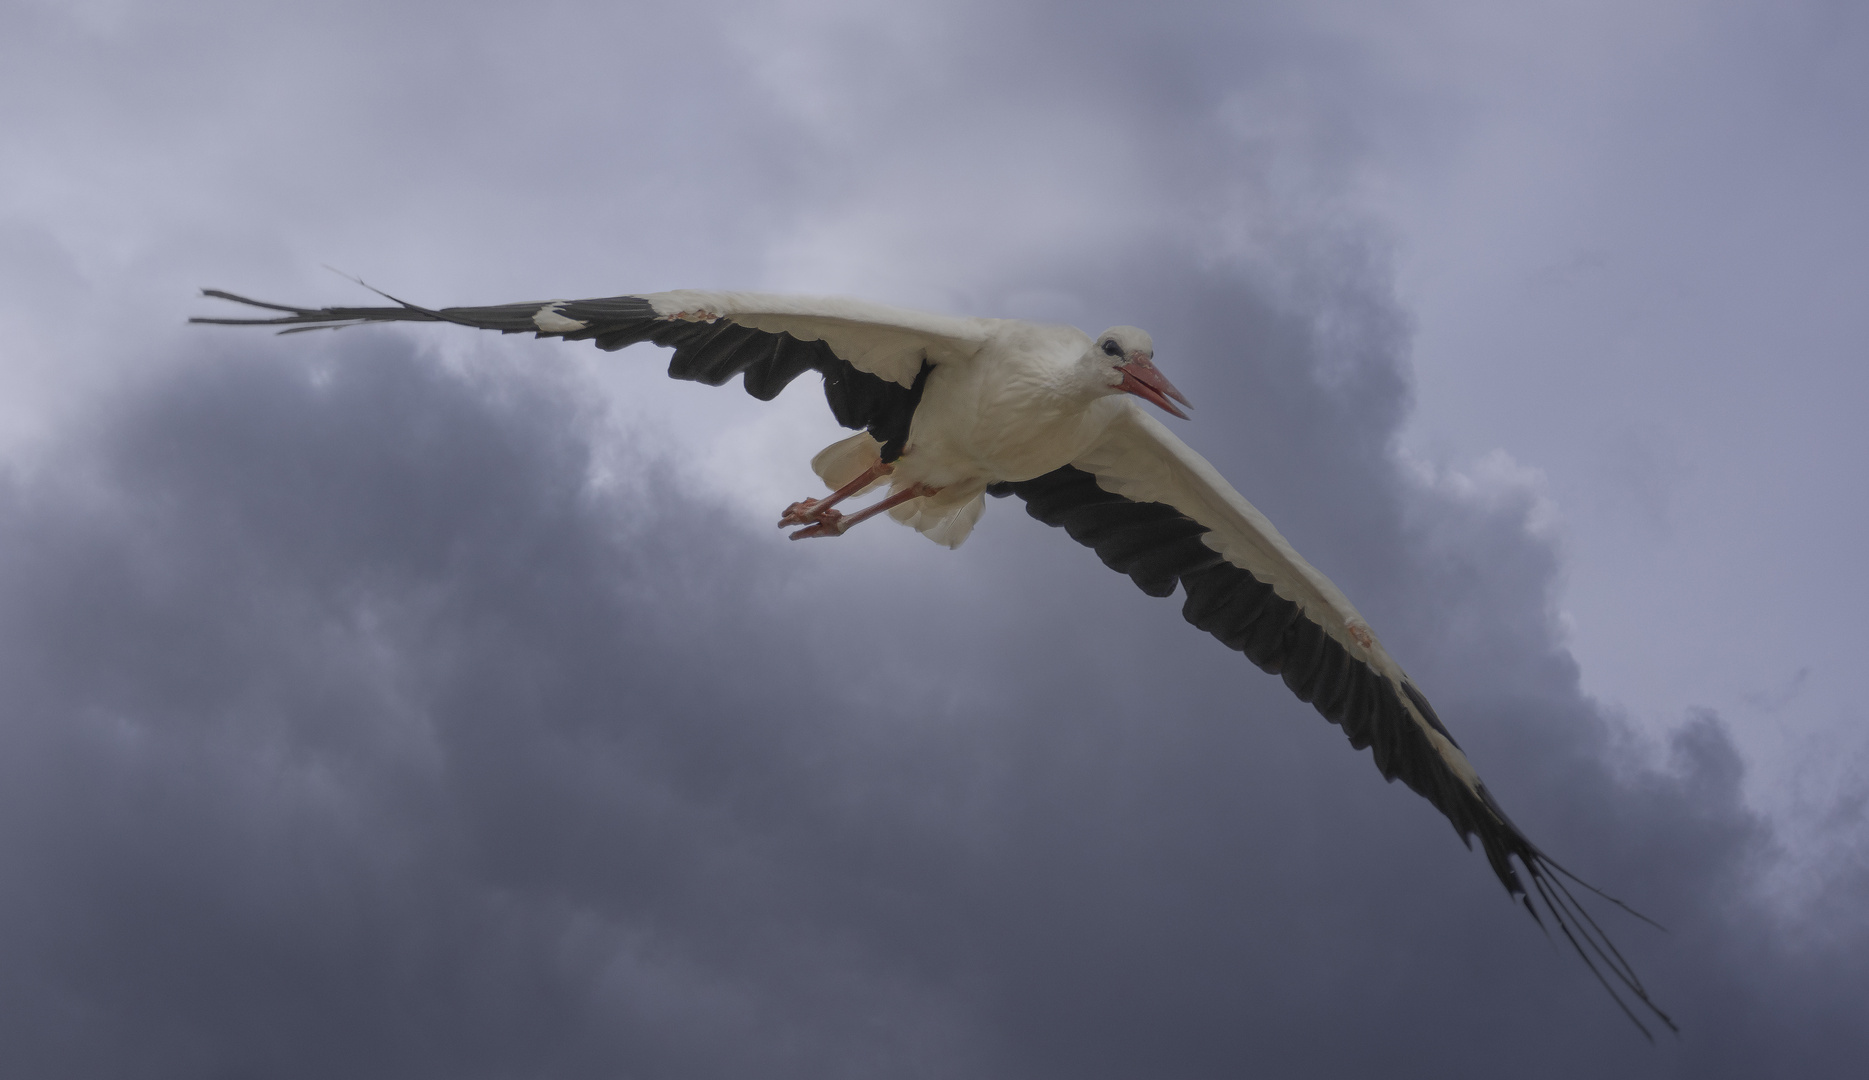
{"points": [[994, 421]]}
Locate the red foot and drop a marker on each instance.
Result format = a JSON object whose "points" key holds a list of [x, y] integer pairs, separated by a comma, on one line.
{"points": [[811, 512], [803, 512], [831, 527], [814, 511], [832, 523]]}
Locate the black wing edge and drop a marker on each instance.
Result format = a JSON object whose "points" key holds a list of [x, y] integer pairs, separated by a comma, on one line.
{"points": [[705, 352], [1160, 547]]}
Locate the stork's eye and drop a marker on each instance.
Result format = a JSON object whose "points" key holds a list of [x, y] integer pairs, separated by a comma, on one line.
{"points": [[1112, 348]]}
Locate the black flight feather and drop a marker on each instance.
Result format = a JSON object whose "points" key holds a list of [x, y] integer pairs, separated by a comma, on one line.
{"points": [[1245, 614], [706, 352]]}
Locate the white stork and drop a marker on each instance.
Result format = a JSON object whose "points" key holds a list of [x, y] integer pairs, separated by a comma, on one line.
{"points": [[952, 409]]}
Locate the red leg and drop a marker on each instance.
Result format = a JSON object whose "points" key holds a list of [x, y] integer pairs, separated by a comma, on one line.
{"points": [[838, 525], [813, 511]]}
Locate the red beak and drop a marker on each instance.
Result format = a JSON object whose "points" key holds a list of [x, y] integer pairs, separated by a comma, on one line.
{"points": [[1143, 379]]}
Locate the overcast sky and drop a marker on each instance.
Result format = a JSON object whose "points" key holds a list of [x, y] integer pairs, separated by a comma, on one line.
{"points": [[409, 702]]}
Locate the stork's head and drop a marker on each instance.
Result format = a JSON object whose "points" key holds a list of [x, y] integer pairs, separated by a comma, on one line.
{"points": [[1127, 356]]}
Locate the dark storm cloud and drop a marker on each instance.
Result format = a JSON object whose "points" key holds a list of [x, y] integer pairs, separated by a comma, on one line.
{"points": [[350, 729], [331, 751]]}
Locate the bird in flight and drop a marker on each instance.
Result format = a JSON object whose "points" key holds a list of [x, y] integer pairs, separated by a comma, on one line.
{"points": [[949, 410]]}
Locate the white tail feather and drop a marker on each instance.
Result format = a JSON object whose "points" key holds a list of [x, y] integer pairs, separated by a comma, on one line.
{"points": [[845, 460], [946, 521]]}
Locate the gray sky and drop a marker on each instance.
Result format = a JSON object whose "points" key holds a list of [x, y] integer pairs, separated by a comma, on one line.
{"points": [[415, 703]]}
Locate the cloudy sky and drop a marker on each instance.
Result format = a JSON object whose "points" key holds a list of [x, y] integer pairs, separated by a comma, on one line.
{"points": [[408, 702]]}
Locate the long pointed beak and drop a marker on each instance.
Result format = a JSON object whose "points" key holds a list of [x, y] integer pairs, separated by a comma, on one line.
{"points": [[1143, 379]]}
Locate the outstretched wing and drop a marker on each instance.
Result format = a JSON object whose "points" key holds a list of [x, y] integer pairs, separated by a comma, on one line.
{"points": [[874, 359], [1154, 509]]}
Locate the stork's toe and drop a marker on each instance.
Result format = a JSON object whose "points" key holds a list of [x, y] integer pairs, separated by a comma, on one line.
{"points": [[805, 512]]}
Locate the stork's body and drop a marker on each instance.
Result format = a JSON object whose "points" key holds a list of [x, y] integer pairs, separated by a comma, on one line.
{"points": [[1012, 411], [1023, 404], [956, 408]]}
